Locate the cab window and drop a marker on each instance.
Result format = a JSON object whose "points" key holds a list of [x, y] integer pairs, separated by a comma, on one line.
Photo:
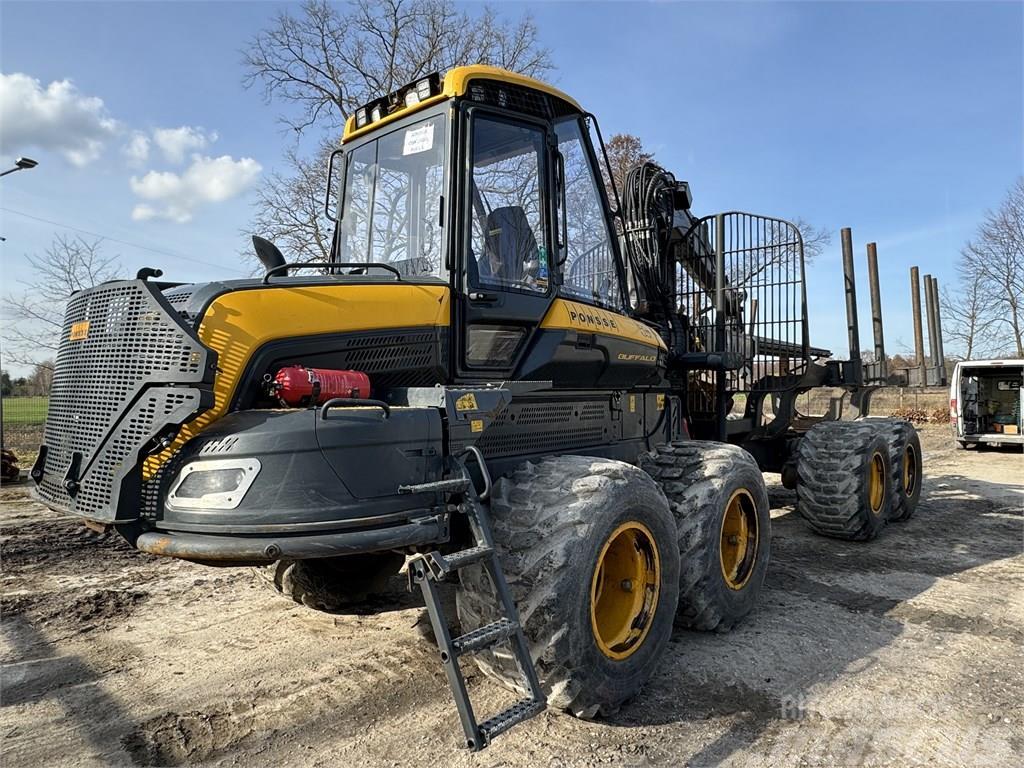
{"points": [[588, 261], [392, 211], [507, 234]]}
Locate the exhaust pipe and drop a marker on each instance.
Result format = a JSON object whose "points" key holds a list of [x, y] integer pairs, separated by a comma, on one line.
{"points": [[876, 313], [852, 326], [915, 303]]}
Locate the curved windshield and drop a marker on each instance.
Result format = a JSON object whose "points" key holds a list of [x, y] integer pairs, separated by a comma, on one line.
{"points": [[393, 193]]}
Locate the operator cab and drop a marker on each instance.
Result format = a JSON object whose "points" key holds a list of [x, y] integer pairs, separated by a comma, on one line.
{"points": [[489, 181]]}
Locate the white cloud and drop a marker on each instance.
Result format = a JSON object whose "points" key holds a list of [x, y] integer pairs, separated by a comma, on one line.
{"points": [[137, 149], [56, 118], [176, 143], [175, 196]]}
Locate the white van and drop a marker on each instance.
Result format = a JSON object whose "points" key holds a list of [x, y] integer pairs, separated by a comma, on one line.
{"points": [[986, 402]]}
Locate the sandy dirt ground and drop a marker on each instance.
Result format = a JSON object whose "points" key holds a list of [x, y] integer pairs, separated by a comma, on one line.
{"points": [[904, 651]]}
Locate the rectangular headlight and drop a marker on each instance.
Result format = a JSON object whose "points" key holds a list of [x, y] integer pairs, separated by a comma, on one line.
{"points": [[375, 114], [361, 117], [411, 98], [218, 484], [423, 88]]}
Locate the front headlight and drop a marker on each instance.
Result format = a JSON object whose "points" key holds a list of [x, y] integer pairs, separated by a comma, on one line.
{"points": [[217, 484]]}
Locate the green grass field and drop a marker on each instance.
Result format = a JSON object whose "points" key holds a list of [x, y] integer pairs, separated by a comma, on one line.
{"points": [[25, 410]]}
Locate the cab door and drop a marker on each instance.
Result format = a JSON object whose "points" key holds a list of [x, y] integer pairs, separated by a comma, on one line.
{"points": [[506, 241], [587, 339]]}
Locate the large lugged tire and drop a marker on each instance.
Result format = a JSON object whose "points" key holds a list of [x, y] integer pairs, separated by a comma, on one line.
{"points": [[589, 549], [905, 455], [717, 494], [332, 583], [845, 478]]}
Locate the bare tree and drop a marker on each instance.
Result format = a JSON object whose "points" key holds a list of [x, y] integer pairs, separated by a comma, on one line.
{"points": [[40, 380], [290, 208], [325, 60], [625, 151], [36, 314], [328, 60], [967, 314], [816, 239], [986, 308], [999, 250]]}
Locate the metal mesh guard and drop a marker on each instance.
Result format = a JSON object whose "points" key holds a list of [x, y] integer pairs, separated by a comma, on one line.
{"points": [[759, 308], [118, 339]]}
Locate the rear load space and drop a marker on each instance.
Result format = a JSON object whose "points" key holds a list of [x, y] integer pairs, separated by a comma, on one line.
{"points": [[988, 402]]}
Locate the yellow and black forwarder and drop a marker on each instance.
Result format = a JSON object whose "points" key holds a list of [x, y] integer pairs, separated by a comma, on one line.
{"points": [[507, 372]]}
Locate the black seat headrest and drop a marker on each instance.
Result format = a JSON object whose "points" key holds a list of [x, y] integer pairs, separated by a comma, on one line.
{"points": [[510, 236]]}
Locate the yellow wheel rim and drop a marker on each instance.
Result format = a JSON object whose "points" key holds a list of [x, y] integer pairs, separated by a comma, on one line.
{"points": [[910, 470], [876, 483], [624, 590], [739, 539]]}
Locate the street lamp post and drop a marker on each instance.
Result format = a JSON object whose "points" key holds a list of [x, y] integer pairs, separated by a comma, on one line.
{"points": [[21, 164]]}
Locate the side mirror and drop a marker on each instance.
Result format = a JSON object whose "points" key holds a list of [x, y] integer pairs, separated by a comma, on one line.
{"points": [[336, 214], [268, 253]]}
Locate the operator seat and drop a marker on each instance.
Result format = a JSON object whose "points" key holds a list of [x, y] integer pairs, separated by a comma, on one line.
{"points": [[509, 241]]}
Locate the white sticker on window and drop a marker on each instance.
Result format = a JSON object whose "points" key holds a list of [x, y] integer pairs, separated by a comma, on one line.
{"points": [[418, 139]]}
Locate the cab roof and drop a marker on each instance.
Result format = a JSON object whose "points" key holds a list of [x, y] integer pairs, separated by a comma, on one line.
{"points": [[456, 83]]}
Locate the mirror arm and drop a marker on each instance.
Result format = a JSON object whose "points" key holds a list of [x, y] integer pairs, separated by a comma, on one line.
{"points": [[607, 163], [563, 225]]}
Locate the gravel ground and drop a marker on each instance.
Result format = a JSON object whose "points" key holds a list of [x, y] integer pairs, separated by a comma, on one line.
{"points": [[904, 651]]}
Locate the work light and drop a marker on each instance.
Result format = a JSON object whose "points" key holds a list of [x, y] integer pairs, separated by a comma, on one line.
{"points": [[217, 484], [423, 88], [361, 117]]}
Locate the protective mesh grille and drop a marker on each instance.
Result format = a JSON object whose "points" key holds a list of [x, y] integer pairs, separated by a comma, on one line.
{"points": [[397, 359], [117, 338], [546, 428], [178, 297], [519, 99], [116, 454]]}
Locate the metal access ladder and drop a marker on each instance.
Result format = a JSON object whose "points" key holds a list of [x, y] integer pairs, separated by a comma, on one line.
{"points": [[427, 570]]}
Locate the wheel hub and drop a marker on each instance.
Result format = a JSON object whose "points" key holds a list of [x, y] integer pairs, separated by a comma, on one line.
{"points": [[876, 483], [909, 470], [624, 590], [739, 539]]}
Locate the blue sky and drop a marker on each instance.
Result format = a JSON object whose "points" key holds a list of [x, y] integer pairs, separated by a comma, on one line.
{"points": [[903, 121]]}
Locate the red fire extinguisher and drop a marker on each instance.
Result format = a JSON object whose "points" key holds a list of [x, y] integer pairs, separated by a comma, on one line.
{"points": [[297, 386]]}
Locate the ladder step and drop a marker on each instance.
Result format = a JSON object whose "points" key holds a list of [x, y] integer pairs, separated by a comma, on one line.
{"points": [[458, 484], [465, 557], [485, 636], [517, 713]]}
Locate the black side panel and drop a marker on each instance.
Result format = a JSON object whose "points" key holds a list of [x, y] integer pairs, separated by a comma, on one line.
{"points": [[373, 453], [576, 359], [316, 474]]}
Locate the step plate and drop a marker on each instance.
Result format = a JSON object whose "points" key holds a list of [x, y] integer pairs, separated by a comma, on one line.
{"points": [[457, 560], [517, 713], [485, 636]]}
